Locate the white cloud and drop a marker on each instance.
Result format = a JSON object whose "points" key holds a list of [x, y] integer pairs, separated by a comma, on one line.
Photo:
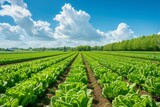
{"points": [[158, 33], [20, 3], [9, 32], [16, 12], [75, 25], [43, 28], [22, 17], [123, 32], [73, 29]]}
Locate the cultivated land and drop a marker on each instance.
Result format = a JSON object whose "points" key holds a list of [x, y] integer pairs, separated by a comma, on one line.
{"points": [[16, 57], [80, 79]]}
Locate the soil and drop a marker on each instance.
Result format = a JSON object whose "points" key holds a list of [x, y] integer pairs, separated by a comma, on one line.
{"points": [[44, 100], [98, 99], [157, 98], [143, 92]]}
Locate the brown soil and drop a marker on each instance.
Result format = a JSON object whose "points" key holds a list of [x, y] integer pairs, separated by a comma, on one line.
{"points": [[98, 99], [157, 98], [126, 80], [143, 92], [44, 100]]}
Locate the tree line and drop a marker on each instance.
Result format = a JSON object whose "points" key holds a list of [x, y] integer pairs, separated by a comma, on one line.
{"points": [[87, 48], [144, 43]]}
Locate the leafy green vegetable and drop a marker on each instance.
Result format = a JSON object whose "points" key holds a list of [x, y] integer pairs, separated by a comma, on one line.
{"points": [[73, 92], [152, 85], [26, 92], [117, 88], [134, 100]]}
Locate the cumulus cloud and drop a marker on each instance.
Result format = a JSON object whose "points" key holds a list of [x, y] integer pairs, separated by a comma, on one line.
{"points": [[15, 2], [15, 11], [122, 32], [43, 29], [73, 28], [9, 32], [22, 17], [75, 25], [158, 33]]}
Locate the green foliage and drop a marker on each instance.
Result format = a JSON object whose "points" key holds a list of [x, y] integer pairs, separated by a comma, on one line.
{"points": [[117, 88], [116, 73], [134, 100], [73, 92], [83, 48], [11, 75], [144, 43], [27, 91], [13, 57], [152, 85]]}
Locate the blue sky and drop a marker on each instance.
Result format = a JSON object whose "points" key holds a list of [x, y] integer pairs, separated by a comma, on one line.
{"points": [[143, 16], [109, 20]]}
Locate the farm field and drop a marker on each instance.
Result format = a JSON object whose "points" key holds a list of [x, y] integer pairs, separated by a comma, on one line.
{"points": [[12, 57], [137, 54], [80, 79], [78, 53]]}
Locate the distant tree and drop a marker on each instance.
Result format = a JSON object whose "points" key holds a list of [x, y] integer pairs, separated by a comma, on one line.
{"points": [[144, 43], [64, 49], [83, 48]]}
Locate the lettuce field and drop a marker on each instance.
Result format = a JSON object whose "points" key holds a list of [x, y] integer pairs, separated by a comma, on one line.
{"points": [[80, 79]]}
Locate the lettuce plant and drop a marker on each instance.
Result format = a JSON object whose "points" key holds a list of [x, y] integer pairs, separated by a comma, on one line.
{"points": [[133, 100]]}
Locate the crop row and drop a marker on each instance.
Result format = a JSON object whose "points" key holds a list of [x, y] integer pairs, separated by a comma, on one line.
{"points": [[7, 58], [74, 92], [9, 78], [142, 55], [27, 91], [144, 73], [115, 88], [18, 66]]}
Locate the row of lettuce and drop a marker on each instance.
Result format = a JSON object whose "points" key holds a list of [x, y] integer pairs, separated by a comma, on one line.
{"points": [[27, 90], [120, 77], [12, 74], [136, 54], [142, 72], [74, 92], [12, 57]]}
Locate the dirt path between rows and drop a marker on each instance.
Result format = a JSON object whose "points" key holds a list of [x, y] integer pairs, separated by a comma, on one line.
{"points": [[98, 99], [44, 100]]}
